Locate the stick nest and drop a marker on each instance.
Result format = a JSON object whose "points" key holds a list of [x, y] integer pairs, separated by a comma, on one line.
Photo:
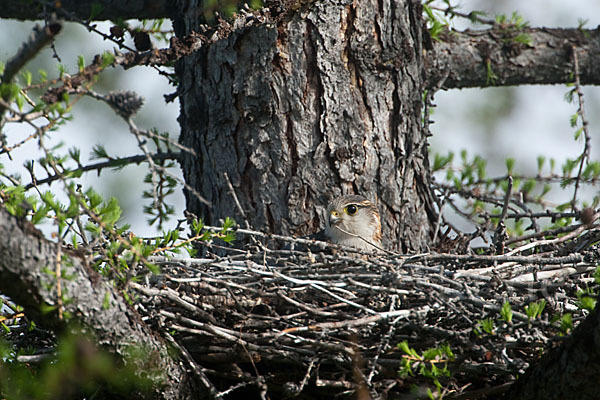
{"points": [[298, 323]]}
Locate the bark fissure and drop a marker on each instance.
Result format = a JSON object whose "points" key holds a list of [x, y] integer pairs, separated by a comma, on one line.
{"points": [[340, 114], [567, 371], [333, 122]]}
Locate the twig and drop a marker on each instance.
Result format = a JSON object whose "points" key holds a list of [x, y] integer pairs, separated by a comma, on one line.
{"points": [[385, 340], [560, 239], [196, 369], [285, 238], [500, 232], [224, 393], [38, 39], [279, 308], [236, 200], [585, 154], [112, 163], [89, 26], [551, 232], [439, 219], [470, 16], [552, 178], [174, 297], [58, 277], [154, 168], [360, 321], [461, 258], [305, 307], [546, 214], [307, 375], [34, 358]]}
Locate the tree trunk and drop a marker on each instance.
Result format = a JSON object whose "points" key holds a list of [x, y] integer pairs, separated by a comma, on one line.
{"points": [[569, 371], [325, 101], [27, 261]]}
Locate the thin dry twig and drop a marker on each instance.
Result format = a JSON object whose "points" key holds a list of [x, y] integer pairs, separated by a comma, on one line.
{"points": [[312, 313], [585, 154]]}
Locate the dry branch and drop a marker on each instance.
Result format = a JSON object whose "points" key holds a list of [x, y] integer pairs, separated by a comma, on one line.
{"points": [[267, 311], [26, 262], [460, 58]]}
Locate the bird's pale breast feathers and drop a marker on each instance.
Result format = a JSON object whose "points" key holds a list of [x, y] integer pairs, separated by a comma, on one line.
{"points": [[354, 221]]}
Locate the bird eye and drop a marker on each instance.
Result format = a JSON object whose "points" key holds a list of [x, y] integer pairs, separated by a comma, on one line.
{"points": [[351, 209]]}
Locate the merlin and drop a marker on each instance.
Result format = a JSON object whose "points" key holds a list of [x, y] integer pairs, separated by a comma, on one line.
{"points": [[353, 221]]}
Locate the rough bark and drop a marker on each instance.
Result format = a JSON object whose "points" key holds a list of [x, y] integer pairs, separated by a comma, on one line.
{"points": [[460, 58], [325, 102], [26, 257], [569, 371]]}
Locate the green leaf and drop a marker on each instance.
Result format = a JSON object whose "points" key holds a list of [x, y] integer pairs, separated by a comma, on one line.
{"points": [[9, 91], [440, 161], [447, 351], [474, 16], [597, 275], [510, 164], [40, 215], [528, 185], [43, 75], [405, 348], [20, 100], [573, 120], [491, 76], [81, 61], [155, 269], [61, 70], [568, 166], [566, 323], [487, 325], [431, 354], [592, 170], [75, 154], [93, 198], [110, 212], [99, 152], [588, 303], [27, 77], [229, 223], [107, 59], [546, 189], [523, 38], [480, 164], [94, 229], [506, 312], [540, 163], [534, 310], [587, 299]]}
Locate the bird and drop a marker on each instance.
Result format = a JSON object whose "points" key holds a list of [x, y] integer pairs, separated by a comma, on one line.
{"points": [[353, 221]]}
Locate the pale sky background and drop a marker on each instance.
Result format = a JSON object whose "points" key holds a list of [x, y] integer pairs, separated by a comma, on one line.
{"points": [[521, 122], [531, 120]]}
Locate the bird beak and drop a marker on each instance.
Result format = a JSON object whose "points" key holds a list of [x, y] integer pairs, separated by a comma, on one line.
{"points": [[334, 218]]}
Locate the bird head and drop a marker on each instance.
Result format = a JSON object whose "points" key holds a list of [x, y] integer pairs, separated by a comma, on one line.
{"points": [[353, 221]]}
